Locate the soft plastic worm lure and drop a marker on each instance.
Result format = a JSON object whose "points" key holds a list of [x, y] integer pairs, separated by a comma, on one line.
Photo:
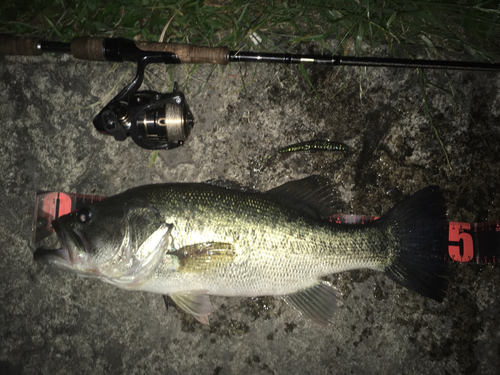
{"points": [[312, 146]]}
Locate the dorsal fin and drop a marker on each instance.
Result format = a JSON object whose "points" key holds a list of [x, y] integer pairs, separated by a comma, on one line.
{"points": [[310, 194]]}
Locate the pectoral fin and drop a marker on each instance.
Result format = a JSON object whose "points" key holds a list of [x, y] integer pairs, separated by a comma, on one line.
{"points": [[202, 256], [195, 303], [317, 303]]}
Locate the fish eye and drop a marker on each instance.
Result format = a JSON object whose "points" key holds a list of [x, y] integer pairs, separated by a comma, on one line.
{"points": [[84, 215]]}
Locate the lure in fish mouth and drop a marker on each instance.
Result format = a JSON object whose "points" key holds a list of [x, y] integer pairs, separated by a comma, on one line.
{"points": [[190, 241]]}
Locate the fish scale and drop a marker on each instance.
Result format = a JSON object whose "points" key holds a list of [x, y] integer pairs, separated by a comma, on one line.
{"points": [[309, 248]]}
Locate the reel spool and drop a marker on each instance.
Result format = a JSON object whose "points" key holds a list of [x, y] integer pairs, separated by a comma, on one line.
{"points": [[154, 121]]}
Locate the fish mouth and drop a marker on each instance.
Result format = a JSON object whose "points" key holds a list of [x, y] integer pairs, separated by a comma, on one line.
{"points": [[52, 257], [71, 242]]}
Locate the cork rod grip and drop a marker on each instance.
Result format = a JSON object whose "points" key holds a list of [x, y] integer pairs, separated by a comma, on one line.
{"points": [[88, 49], [189, 54], [27, 46]]}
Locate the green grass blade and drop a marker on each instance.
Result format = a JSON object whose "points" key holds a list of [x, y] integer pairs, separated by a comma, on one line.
{"points": [[306, 76], [152, 160]]}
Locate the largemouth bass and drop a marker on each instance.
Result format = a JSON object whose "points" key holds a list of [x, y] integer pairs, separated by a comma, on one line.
{"points": [[190, 241]]}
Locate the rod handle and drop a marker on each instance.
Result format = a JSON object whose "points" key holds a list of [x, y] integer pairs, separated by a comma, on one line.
{"points": [[88, 48], [189, 54], [93, 49], [26, 46]]}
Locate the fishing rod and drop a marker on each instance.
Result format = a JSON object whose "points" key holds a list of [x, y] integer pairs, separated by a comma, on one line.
{"points": [[163, 121]]}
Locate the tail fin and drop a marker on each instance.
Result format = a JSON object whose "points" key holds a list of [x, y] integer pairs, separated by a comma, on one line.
{"points": [[417, 227]]}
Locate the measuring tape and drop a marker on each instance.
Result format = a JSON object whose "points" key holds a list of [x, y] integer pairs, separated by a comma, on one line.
{"points": [[51, 205], [467, 242]]}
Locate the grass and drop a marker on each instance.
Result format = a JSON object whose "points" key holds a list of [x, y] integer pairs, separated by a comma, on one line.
{"points": [[441, 25]]}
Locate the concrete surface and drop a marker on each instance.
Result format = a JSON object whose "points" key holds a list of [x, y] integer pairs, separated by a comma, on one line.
{"points": [[56, 323]]}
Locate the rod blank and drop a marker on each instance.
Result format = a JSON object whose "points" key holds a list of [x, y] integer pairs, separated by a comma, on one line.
{"points": [[286, 58]]}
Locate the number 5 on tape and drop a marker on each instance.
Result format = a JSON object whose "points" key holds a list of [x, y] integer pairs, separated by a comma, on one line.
{"points": [[461, 245]]}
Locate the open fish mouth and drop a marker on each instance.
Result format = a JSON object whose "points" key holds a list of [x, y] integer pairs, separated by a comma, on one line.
{"points": [[53, 257], [62, 257]]}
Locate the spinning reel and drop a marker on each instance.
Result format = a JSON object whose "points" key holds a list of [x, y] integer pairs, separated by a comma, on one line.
{"points": [[153, 120]]}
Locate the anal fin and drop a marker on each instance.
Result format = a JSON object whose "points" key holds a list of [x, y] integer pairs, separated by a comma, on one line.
{"points": [[317, 302]]}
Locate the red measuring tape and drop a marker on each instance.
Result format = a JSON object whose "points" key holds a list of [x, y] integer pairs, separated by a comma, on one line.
{"points": [[51, 205], [467, 242]]}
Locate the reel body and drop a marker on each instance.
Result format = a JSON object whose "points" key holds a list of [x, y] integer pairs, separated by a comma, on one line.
{"points": [[153, 120]]}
